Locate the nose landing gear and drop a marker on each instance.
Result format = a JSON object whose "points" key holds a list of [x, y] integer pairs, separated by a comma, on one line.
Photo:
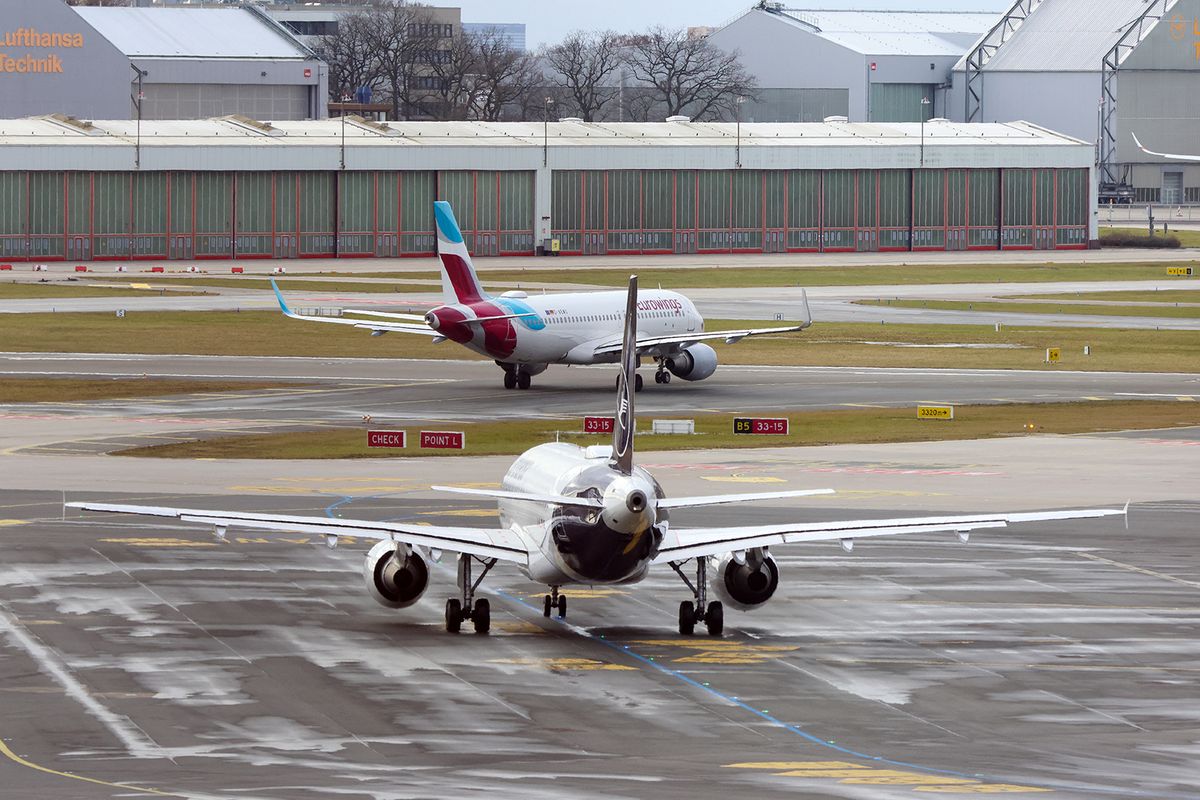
{"points": [[554, 602]]}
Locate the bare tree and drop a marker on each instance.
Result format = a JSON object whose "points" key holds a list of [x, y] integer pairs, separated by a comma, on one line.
{"points": [[689, 76], [350, 56], [452, 76], [504, 77], [585, 65], [404, 41]]}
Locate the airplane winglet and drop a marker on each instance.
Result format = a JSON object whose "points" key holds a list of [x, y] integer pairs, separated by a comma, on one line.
{"points": [[808, 320], [1125, 511], [283, 306]]}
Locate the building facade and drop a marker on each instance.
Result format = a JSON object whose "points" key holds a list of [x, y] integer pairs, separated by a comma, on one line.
{"points": [[159, 63], [233, 189]]}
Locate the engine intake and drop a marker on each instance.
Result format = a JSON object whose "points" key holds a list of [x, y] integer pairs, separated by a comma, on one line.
{"points": [[694, 363], [745, 585], [391, 584]]}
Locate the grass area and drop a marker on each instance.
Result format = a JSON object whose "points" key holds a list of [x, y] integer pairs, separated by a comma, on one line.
{"points": [[1107, 310], [832, 275], [16, 290], [855, 426], [1186, 236], [1161, 296], [74, 390], [268, 333], [296, 284]]}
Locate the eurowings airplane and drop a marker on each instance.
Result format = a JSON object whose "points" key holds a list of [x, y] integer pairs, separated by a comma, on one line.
{"points": [[525, 334], [589, 515], [1172, 156]]}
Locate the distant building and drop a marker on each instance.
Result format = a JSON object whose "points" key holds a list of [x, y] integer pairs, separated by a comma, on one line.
{"points": [[1101, 71], [512, 32], [864, 65], [192, 62]]}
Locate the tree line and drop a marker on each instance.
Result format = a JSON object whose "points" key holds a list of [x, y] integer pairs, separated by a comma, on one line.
{"points": [[429, 70]]}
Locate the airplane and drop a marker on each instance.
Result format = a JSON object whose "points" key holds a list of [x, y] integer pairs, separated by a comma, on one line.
{"points": [[1172, 156], [525, 334], [589, 515]]}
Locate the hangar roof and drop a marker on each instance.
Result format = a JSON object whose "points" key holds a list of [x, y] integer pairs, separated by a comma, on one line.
{"points": [[1064, 36], [903, 33], [191, 33], [236, 143]]}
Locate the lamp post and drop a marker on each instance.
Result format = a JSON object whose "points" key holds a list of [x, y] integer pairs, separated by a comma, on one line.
{"points": [[924, 105], [737, 159], [137, 104], [546, 131]]}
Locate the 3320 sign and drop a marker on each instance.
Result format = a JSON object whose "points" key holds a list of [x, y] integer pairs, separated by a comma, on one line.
{"points": [[765, 426]]}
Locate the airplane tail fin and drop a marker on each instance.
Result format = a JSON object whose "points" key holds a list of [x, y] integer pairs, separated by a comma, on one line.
{"points": [[460, 284], [623, 430]]}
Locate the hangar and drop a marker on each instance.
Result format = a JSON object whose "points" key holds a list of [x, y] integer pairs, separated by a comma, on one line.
{"points": [[233, 187]]}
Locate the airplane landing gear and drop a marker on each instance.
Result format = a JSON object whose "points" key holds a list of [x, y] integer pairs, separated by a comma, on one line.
{"points": [[515, 377], [466, 607], [510, 379], [690, 613], [554, 602], [637, 382]]}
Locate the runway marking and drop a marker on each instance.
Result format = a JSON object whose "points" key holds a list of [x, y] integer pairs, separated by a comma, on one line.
{"points": [[849, 773], [7, 752], [138, 541], [594, 593], [722, 651], [462, 512], [9, 523], [741, 479], [564, 664], [1141, 570]]}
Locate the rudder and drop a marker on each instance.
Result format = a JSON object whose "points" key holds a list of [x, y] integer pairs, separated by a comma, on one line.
{"points": [[460, 284]]}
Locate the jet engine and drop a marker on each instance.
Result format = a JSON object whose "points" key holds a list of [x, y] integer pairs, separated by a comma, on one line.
{"points": [[393, 583], [745, 581], [694, 363]]}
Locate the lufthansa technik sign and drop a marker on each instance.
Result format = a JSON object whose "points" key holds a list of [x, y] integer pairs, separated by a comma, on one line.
{"points": [[39, 62]]}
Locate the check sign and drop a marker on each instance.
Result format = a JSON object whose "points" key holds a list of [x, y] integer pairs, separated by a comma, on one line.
{"points": [[761, 426], [386, 439]]}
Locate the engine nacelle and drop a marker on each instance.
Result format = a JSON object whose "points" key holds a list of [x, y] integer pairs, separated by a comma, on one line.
{"points": [[747, 584], [392, 585], [694, 363]]}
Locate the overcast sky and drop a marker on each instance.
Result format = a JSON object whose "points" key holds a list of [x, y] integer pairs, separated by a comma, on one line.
{"points": [[550, 20]]}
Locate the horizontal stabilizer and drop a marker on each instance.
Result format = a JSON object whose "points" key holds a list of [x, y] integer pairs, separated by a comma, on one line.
{"points": [[501, 494], [722, 499]]}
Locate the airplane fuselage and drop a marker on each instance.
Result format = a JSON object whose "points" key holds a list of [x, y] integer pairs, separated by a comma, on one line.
{"points": [[579, 545], [563, 328]]}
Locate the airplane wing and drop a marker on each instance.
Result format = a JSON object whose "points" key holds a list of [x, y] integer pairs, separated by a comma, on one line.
{"points": [[381, 326], [1175, 156], [682, 544], [482, 542], [683, 340]]}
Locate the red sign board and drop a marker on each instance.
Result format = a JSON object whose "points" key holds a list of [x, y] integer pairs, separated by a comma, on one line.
{"points": [[386, 439], [307, 72], [6, 267], [443, 440], [763, 426], [599, 424], [158, 269], [81, 268]]}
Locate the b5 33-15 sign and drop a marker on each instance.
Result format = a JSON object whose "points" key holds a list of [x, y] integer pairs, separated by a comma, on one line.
{"points": [[764, 426]]}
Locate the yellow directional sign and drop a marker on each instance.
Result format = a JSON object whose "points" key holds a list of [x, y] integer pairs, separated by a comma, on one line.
{"points": [[1053, 354], [935, 412], [1183, 272]]}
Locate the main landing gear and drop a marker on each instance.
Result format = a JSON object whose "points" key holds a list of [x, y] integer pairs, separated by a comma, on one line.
{"points": [[690, 613], [554, 602], [515, 378], [661, 375], [466, 607]]}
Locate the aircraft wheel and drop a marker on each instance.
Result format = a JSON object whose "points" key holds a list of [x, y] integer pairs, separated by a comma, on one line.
{"points": [[637, 382], [453, 615], [547, 606], [666, 377], [687, 618], [523, 380], [714, 619], [658, 377], [510, 380], [562, 606], [482, 616]]}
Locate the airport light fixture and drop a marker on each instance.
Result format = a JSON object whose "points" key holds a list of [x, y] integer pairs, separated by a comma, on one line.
{"points": [[924, 107], [737, 159]]}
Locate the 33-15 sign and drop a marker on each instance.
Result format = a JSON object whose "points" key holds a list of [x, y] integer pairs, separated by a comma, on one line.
{"points": [[761, 425]]}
